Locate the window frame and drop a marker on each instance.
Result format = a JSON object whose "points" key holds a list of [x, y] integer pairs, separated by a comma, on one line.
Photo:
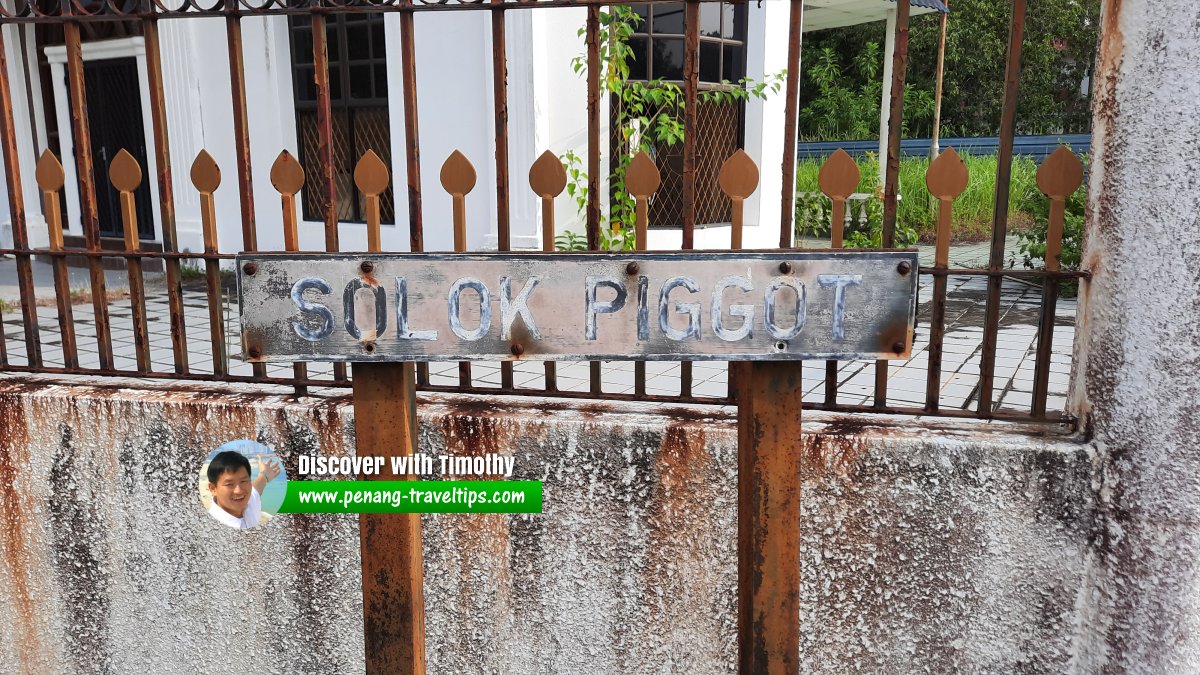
{"points": [[342, 102]]}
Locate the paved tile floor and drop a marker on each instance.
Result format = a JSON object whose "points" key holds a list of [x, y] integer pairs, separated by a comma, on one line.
{"points": [[966, 298]]}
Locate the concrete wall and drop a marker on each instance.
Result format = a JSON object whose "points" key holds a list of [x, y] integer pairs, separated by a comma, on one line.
{"points": [[958, 548], [1139, 345]]}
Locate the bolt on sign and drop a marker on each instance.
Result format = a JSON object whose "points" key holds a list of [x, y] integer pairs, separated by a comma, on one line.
{"points": [[577, 306]]}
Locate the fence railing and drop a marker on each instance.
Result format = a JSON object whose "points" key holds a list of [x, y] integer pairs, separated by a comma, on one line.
{"points": [[203, 352]]}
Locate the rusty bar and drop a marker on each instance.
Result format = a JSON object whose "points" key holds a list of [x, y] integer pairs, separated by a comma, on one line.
{"points": [[1058, 178], [385, 424], [769, 397], [593, 113], [50, 179], [241, 134], [16, 206], [328, 184], [326, 188], [412, 147], [212, 280], [500, 109], [125, 175], [691, 78], [87, 191], [288, 177], [1008, 129], [937, 319], [791, 108], [593, 166], [945, 179], [166, 195], [891, 180]]}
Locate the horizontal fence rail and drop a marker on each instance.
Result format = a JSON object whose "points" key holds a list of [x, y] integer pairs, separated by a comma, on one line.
{"points": [[188, 331]]}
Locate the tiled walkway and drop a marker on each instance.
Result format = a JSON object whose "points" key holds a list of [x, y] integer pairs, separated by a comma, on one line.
{"points": [[965, 304]]}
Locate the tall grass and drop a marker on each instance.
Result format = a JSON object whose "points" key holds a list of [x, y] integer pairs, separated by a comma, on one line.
{"points": [[972, 209]]}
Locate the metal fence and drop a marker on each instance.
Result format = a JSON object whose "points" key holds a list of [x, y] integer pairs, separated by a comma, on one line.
{"points": [[59, 352]]}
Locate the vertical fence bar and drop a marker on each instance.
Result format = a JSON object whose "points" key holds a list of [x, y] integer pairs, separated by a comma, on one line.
{"points": [[50, 179], [125, 175], [547, 178], [691, 80], [769, 395], [891, 181], [16, 206], [738, 179], [412, 145], [1057, 178], [593, 170], [838, 179], [946, 179], [500, 109], [88, 213], [288, 177], [593, 113], [642, 179], [791, 108], [328, 185], [241, 135], [1008, 128], [458, 178], [206, 177], [166, 194]]}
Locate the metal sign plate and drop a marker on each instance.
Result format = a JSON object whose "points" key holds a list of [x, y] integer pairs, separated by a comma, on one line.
{"points": [[742, 305]]}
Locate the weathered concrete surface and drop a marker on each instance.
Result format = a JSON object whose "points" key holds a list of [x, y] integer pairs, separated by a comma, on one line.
{"points": [[1138, 341], [937, 547]]}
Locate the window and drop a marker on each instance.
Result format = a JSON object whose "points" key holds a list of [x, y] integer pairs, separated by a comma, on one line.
{"points": [[358, 92], [658, 48]]}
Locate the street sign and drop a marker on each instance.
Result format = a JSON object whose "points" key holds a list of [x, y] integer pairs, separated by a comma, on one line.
{"points": [[742, 305]]}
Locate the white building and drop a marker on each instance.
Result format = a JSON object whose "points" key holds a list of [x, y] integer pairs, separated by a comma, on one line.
{"points": [[547, 110]]}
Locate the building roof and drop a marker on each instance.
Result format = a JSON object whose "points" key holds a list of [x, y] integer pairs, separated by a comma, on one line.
{"points": [[822, 14]]}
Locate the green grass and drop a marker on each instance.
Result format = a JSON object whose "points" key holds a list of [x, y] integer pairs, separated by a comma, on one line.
{"points": [[972, 209]]}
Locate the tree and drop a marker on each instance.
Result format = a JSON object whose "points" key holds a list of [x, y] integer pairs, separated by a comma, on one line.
{"points": [[1057, 58]]}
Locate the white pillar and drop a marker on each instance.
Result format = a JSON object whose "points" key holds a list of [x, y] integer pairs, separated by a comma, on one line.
{"points": [[1138, 340], [889, 53]]}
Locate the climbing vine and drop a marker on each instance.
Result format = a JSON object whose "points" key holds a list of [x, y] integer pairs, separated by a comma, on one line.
{"points": [[647, 114]]}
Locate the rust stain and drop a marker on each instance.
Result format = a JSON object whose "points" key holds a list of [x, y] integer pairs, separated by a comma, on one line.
{"points": [[14, 447]]}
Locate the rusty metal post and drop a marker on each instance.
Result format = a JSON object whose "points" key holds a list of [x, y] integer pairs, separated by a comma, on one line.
{"points": [[166, 196], [946, 179], [547, 178], [125, 175], [593, 161], [458, 178], [50, 179], [385, 424], [768, 396], [16, 205], [88, 211], [500, 108], [838, 179], [791, 108], [206, 177], [1008, 129], [1058, 178], [891, 182], [288, 177], [642, 179], [412, 146], [241, 134]]}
